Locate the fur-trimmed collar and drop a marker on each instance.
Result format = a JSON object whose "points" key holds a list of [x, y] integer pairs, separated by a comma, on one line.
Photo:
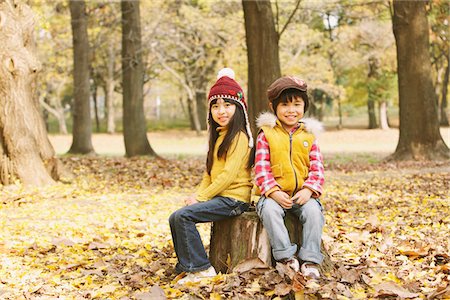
{"points": [[269, 119]]}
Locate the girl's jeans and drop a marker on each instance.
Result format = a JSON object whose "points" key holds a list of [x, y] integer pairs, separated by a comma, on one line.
{"points": [[186, 239], [310, 216]]}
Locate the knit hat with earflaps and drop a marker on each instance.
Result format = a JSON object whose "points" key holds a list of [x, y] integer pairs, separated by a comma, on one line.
{"points": [[227, 88]]}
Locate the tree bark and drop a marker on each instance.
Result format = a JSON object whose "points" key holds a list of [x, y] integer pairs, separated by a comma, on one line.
{"points": [[443, 120], [420, 137], [95, 100], [243, 240], [383, 116], [193, 115], [82, 126], [372, 74], [372, 115], [262, 54], [134, 125], [109, 92], [25, 150], [202, 111]]}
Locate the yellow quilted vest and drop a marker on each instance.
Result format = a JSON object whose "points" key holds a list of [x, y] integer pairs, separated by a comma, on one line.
{"points": [[289, 156]]}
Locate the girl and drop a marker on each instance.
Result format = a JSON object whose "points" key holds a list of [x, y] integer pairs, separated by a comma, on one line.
{"points": [[226, 185]]}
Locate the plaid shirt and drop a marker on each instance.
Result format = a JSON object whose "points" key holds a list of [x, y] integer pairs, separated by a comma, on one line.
{"points": [[263, 171]]}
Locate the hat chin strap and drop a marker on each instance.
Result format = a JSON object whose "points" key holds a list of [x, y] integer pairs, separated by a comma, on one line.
{"points": [[249, 131]]}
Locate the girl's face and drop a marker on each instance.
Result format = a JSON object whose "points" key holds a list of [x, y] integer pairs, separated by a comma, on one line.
{"points": [[222, 112], [291, 112]]}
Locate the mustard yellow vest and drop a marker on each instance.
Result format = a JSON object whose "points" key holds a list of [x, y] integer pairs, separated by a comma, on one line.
{"points": [[289, 156]]}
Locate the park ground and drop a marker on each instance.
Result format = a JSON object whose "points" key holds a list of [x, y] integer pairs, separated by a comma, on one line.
{"points": [[103, 234]]}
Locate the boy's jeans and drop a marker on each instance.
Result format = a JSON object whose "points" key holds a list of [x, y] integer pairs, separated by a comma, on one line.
{"points": [[186, 239], [310, 216]]}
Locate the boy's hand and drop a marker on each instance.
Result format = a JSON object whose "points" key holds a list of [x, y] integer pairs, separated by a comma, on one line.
{"points": [[282, 198], [192, 199], [302, 196]]}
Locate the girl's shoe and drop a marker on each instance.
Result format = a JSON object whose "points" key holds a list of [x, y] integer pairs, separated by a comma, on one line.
{"points": [[310, 270], [198, 276]]}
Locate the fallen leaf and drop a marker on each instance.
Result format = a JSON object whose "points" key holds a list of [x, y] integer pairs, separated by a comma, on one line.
{"points": [[392, 289], [250, 264], [282, 289]]}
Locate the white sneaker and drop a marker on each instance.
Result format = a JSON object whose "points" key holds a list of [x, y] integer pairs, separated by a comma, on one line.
{"points": [[198, 276], [310, 270], [293, 263]]}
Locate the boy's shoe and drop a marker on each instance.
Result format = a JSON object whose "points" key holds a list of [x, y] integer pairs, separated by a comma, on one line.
{"points": [[198, 276], [292, 263], [310, 270]]}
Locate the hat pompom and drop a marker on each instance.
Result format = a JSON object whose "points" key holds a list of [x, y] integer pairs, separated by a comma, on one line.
{"points": [[226, 72]]}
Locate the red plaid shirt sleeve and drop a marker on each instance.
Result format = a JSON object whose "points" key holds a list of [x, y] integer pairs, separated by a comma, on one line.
{"points": [[316, 175], [263, 172]]}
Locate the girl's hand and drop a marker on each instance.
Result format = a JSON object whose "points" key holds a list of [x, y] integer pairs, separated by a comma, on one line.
{"points": [[302, 196], [190, 200], [282, 198]]}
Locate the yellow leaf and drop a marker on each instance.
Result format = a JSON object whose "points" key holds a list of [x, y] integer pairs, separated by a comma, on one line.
{"points": [[215, 296], [300, 295]]}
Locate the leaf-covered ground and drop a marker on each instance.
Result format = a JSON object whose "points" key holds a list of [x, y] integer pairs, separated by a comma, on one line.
{"points": [[106, 236]]}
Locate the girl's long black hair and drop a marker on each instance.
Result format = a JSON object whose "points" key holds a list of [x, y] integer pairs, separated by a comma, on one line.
{"points": [[236, 124]]}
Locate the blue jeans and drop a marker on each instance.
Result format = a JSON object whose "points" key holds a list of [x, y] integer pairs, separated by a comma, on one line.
{"points": [[310, 216], [188, 245]]}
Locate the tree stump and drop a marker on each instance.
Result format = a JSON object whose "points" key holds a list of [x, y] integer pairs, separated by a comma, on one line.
{"points": [[241, 239]]}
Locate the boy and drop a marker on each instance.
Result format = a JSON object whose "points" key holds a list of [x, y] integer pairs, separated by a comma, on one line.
{"points": [[289, 174]]}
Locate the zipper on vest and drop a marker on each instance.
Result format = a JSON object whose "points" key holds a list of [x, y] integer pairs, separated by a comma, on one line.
{"points": [[292, 164]]}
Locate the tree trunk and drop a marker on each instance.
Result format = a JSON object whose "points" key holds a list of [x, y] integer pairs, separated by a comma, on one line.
{"points": [[383, 116], [419, 123], [262, 54], [200, 97], [58, 112], [371, 92], [109, 92], [443, 120], [372, 115], [242, 240], [94, 98], [193, 115], [82, 127], [340, 124], [134, 125], [25, 150]]}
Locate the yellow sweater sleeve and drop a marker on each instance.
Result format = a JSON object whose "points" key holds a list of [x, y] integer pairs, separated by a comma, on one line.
{"points": [[206, 181], [238, 152]]}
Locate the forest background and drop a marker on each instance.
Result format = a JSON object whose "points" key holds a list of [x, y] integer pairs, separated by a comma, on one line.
{"points": [[344, 50], [100, 230]]}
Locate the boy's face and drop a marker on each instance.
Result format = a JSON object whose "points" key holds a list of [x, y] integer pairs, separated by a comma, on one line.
{"points": [[290, 113]]}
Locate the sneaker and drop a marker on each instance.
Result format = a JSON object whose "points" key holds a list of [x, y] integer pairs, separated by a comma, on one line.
{"points": [[310, 270], [198, 276], [292, 263]]}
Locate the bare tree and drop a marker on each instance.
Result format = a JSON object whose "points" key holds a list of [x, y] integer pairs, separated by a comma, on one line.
{"points": [[25, 150], [191, 53], [134, 125], [82, 127], [419, 123]]}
